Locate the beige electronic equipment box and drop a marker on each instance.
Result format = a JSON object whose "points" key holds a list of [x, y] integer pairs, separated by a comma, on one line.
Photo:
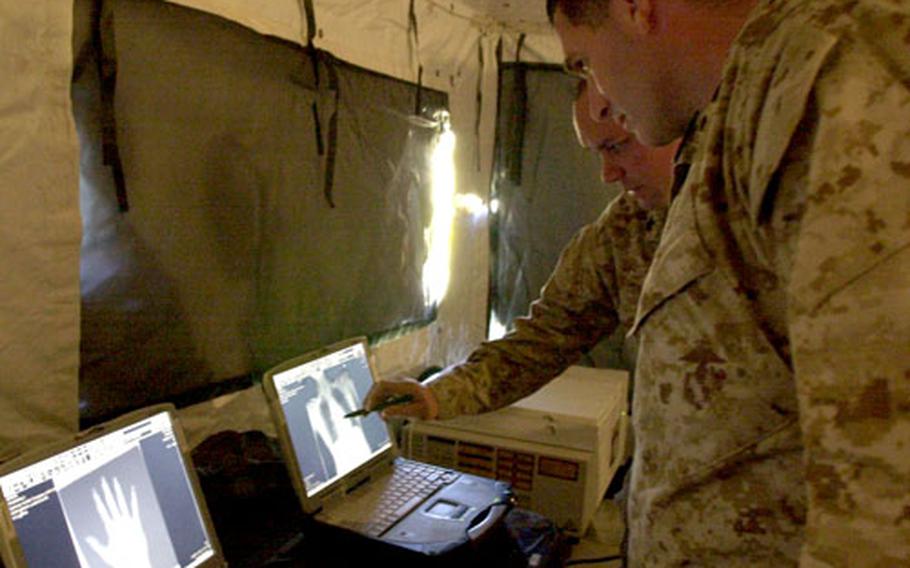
{"points": [[559, 448]]}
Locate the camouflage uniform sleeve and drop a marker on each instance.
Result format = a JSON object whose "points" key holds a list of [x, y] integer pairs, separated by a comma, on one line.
{"points": [[849, 313], [577, 307]]}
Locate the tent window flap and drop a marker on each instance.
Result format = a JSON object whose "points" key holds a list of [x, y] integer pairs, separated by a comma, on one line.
{"points": [[231, 257]]}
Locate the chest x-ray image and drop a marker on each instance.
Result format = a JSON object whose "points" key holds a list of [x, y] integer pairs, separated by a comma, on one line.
{"points": [[316, 398], [342, 441]]}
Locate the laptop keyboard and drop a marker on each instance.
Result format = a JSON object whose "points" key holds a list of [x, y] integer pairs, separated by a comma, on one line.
{"points": [[408, 486]]}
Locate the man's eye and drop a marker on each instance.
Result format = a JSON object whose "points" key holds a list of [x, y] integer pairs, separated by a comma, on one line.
{"points": [[615, 147]]}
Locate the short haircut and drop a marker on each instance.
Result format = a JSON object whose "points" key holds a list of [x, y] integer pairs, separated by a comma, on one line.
{"points": [[579, 12]]}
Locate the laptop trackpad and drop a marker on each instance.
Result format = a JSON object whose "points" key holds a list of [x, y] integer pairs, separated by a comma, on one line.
{"points": [[445, 509], [447, 515]]}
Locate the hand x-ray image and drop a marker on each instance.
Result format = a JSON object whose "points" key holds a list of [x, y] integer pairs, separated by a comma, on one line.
{"points": [[115, 518]]}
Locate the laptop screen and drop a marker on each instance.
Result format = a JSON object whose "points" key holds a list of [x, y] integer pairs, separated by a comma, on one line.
{"points": [[122, 499], [314, 397]]}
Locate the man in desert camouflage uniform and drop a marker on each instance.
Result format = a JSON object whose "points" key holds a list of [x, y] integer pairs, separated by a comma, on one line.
{"points": [[772, 397], [593, 289]]}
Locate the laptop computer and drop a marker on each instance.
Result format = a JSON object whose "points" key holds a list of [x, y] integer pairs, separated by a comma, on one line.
{"points": [[346, 471], [123, 493]]}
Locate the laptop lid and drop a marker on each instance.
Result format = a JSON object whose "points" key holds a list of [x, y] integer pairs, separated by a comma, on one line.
{"points": [[120, 494], [309, 395]]}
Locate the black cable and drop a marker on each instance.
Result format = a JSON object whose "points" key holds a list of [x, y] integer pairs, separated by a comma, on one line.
{"points": [[593, 560]]}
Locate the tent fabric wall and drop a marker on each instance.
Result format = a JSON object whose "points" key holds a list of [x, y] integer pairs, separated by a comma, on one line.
{"points": [[555, 192], [457, 47], [279, 18], [378, 34], [234, 254], [531, 46], [39, 335], [547, 187], [39, 226]]}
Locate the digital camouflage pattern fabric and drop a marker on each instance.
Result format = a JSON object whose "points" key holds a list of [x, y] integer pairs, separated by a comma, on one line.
{"points": [[593, 289], [772, 395]]}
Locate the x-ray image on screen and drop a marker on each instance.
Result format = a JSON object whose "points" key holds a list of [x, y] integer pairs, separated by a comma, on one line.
{"points": [[344, 437], [121, 499], [114, 517], [316, 396]]}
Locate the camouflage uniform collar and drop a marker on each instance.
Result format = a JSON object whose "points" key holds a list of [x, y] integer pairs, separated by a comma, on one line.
{"points": [[685, 153]]}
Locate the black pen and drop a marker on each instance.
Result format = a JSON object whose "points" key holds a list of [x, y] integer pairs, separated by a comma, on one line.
{"points": [[391, 401]]}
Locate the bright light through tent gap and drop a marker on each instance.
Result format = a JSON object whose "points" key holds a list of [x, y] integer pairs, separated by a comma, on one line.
{"points": [[439, 234], [497, 329], [471, 204]]}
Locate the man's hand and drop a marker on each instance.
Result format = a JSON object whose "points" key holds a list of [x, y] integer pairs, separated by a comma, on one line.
{"points": [[423, 406], [126, 545]]}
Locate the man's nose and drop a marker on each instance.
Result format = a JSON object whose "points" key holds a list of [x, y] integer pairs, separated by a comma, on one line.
{"points": [[610, 172]]}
